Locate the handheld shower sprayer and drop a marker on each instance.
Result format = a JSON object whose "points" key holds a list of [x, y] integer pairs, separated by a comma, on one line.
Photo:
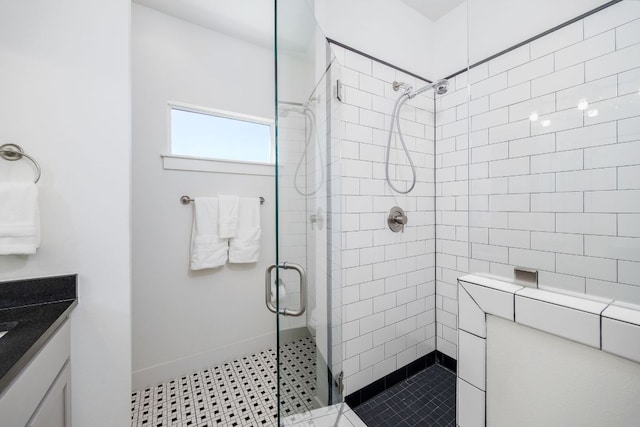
{"points": [[309, 134], [440, 87]]}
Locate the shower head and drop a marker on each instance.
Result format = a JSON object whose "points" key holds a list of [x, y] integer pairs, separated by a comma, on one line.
{"points": [[440, 87]]}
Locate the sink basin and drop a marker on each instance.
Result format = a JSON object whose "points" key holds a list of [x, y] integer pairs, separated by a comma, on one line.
{"points": [[6, 327]]}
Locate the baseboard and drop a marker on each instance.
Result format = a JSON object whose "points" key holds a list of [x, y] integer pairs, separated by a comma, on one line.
{"points": [[435, 357], [160, 373], [447, 361]]}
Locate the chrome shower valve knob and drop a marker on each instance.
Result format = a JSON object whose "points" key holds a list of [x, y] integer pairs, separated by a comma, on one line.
{"points": [[397, 219]]}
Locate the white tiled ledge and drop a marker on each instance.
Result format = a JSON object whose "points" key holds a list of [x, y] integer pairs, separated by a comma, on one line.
{"points": [[607, 325]]}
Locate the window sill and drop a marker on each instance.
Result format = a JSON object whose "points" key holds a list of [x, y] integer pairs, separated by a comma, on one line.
{"points": [[201, 164]]}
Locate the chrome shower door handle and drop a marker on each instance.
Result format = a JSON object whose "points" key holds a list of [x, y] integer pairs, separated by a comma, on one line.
{"points": [[303, 289], [267, 291]]}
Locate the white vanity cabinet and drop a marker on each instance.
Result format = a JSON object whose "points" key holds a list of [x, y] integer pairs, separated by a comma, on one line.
{"points": [[55, 408], [40, 395]]}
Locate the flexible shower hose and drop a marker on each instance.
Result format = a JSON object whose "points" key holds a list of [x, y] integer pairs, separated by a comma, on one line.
{"points": [[308, 136], [396, 118]]}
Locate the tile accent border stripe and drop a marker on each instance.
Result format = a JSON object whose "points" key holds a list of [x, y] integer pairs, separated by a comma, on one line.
{"points": [[434, 358], [544, 33], [448, 362], [366, 55], [507, 50]]}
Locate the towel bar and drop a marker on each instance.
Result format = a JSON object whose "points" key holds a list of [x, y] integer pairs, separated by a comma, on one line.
{"points": [[185, 200], [13, 152]]}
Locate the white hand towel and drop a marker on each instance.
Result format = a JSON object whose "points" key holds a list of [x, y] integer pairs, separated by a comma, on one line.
{"points": [[245, 247], [19, 219], [208, 250], [228, 220]]}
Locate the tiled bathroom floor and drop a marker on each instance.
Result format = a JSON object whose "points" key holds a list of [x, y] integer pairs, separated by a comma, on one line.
{"points": [[340, 415], [238, 393], [242, 393], [426, 399]]}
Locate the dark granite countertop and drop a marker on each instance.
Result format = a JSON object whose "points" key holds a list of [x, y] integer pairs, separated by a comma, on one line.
{"points": [[31, 310]]}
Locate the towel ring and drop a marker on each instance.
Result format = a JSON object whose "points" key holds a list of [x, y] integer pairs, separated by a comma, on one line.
{"points": [[13, 152]]}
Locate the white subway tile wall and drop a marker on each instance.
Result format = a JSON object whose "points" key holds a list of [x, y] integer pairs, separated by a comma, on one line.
{"points": [[388, 279], [537, 164], [554, 162]]}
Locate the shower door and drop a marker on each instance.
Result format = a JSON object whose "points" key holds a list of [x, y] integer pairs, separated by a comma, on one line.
{"points": [[300, 286]]}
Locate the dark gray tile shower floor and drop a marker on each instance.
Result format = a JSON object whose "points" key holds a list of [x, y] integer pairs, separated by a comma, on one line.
{"points": [[427, 399]]}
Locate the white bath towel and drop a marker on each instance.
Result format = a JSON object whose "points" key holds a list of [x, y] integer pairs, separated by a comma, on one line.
{"points": [[245, 247], [208, 250], [228, 219], [19, 218]]}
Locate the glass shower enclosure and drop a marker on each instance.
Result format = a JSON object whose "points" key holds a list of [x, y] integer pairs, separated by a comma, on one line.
{"points": [[529, 160], [302, 286]]}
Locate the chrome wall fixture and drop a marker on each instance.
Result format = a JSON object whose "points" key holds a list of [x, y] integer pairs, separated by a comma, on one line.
{"points": [[440, 87], [397, 219], [526, 276], [13, 152], [317, 219], [269, 297], [185, 200]]}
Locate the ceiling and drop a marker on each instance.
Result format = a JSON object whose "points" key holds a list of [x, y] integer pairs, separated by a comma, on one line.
{"points": [[433, 9], [252, 20]]}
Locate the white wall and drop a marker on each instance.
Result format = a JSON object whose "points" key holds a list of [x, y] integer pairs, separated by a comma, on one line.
{"points": [[450, 53], [538, 379], [64, 79], [386, 29], [184, 320]]}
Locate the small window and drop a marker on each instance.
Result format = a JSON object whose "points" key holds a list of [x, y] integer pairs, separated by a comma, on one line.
{"points": [[221, 135]]}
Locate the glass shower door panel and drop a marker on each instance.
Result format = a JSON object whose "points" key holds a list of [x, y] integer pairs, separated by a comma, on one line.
{"points": [[309, 346]]}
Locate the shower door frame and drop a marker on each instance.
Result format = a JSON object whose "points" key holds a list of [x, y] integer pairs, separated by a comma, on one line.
{"points": [[334, 379]]}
